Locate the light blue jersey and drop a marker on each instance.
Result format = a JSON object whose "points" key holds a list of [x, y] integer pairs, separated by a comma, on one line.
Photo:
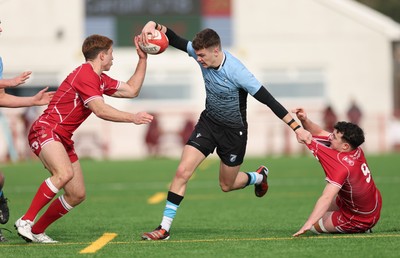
{"points": [[226, 90], [1, 68]]}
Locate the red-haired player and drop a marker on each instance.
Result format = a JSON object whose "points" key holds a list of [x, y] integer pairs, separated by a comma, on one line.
{"points": [[78, 96]]}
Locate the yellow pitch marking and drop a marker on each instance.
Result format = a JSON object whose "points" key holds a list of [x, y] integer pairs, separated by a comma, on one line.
{"points": [[157, 198], [99, 243]]}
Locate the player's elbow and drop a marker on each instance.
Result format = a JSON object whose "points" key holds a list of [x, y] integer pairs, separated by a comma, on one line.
{"points": [[100, 112], [134, 94]]}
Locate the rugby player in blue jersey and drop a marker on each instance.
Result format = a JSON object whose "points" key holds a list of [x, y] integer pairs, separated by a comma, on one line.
{"points": [[222, 126]]}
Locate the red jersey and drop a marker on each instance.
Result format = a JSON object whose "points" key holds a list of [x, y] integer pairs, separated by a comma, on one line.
{"points": [[68, 109], [349, 171]]}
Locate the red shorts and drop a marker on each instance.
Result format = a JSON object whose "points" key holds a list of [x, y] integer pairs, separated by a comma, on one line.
{"points": [[40, 135], [350, 222]]}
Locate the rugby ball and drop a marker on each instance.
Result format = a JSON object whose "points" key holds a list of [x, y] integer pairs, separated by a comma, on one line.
{"points": [[157, 44]]}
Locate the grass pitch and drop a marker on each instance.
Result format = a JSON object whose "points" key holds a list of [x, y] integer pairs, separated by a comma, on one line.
{"points": [[127, 198]]}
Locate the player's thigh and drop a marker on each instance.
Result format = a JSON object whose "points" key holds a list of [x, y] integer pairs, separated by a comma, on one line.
{"points": [[55, 158], [190, 160], [232, 146], [75, 191]]}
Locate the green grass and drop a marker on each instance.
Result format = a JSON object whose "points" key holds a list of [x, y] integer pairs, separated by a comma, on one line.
{"points": [[209, 223]]}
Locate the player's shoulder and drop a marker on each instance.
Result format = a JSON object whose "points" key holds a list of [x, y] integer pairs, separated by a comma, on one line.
{"points": [[230, 58], [233, 64]]}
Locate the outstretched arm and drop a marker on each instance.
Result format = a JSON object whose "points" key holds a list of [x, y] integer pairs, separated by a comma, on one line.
{"points": [[14, 82], [132, 87], [320, 208], [107, 112], [41, 98], [309, 125], [264, 96]]}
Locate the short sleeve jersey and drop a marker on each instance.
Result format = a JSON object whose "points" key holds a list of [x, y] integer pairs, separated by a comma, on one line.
{"points": [[349, 171], [226, 90], [68, 109]]}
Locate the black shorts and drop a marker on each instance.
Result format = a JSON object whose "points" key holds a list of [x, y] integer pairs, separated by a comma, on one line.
{"points": [[230, 142]]}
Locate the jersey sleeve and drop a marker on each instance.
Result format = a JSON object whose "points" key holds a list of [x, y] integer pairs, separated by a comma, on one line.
{"points": [[190, 50], [335, 171], [87, 85], [246, 79], [110, 85], [90, 86]]}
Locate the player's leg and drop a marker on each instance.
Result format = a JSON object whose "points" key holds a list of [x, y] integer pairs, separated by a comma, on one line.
{"points": [[191, 158], [74, 194], [338, 222], [55, 158], [325, 224], [4, 211], [230, 178], [231, 150]]}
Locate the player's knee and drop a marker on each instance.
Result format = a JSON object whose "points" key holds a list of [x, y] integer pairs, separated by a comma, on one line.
{"points": [[225, 188], [62, 177], [76, 198], [182, 173], [80, 198], [319, 227]]}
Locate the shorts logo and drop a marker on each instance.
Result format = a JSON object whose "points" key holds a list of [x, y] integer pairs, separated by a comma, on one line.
{"points": [[35, 145], [198, 135], [232, 158]]}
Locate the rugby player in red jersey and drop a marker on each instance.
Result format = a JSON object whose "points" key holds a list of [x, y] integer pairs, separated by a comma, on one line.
{"points": [[79, 95], [350, 202]]}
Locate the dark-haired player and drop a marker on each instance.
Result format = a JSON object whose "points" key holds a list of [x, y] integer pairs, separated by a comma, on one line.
{"points": [[222, 126], [350, 202]]}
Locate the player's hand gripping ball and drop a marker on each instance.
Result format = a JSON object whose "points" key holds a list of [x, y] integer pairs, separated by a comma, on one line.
{"points": [[157, 44]]}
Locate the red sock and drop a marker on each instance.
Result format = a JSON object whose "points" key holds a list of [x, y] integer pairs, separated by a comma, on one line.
{"points": [[56, 210], [43, 196]]}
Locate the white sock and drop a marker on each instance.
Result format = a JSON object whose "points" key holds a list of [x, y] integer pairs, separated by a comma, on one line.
{"points": [[259, 178], [166, 223]]}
